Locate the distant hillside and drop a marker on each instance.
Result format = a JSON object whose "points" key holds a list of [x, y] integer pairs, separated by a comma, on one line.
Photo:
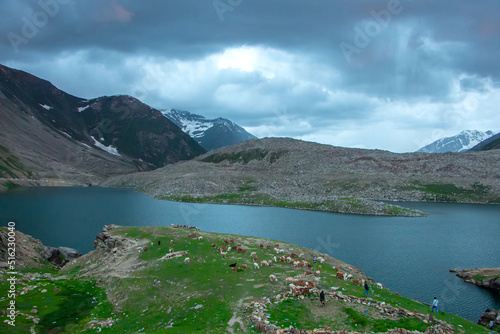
{"points": [[491, 143], [288, 172], [48, 133], [209, 133], [463, 141]]}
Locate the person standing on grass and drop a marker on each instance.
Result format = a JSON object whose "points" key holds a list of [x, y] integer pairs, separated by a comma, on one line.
{"points": [[367, 290], [435, 303], [322, 298]]}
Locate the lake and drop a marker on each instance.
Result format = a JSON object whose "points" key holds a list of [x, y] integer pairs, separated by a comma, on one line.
{"points": [[410, 256]]}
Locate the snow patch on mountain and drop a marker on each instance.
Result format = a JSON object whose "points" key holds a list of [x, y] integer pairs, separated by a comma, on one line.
{"points": [[461, 142], [110, 149], [44, 106], [80, 109], [209, 133]]}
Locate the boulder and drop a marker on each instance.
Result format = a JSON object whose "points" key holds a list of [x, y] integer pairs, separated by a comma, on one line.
{"points": [[489, 315], [60, 256]]}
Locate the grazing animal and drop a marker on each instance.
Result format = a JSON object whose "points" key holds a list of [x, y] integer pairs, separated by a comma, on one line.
{"points": [[275, 259], [273, 278], [340, 276], [282, 259], [255, 258], [268, 246], [264, 263], [235, 269], [231, 241], [214, 245], [317, 273], [308, 273], [243, 267], [293, 255], [379, 285], [261, 245], [223, 254], [200, 238], [308, 265], [171, 241], [277, 246], [355, 282], [233, 264], [256, 265], [319, 267], [144, 248], [239, 245], [186, 260], [253, 254], [243, 250], [289, 280], [184, 253], [159, 243], [171, 250], [226, 242], [269, 262]]}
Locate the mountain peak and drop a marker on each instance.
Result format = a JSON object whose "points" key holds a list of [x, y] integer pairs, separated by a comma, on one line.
{"points": [[209, 133], [461, 142]]}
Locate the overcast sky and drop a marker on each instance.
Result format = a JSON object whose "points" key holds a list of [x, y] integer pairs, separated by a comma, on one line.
{"points": [[392, 75]]}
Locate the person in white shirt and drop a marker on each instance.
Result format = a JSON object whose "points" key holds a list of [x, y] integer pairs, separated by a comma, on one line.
{"points": [[435, 305]]}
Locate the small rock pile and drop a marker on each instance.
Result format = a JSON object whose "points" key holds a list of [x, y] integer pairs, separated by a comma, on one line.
{"points": [[489, 316], [259, 316], [105, 241]]}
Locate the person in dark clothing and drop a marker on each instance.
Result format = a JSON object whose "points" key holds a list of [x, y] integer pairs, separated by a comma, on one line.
{"points": [[367, 290], [322, 298]]}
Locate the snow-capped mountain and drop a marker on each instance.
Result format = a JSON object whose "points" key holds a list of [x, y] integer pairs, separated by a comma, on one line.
{"points": [[464, 141], [209, 133]]}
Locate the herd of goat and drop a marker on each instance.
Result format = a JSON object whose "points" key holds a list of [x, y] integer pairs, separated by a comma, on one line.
{"points": [[297, 284]]}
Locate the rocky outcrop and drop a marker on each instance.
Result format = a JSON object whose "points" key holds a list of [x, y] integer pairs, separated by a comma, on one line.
{"points": [[489, 316], [31, 253], [105, 241], [61, 255], [488, 278]]}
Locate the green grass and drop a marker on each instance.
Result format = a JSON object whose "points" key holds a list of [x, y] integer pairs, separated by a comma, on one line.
{"points": [[160, 296], [67, 310], [448, 192], [247, 196]]}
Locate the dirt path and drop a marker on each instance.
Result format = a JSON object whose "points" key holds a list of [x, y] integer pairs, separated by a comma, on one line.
{"points": [[237, 318]]}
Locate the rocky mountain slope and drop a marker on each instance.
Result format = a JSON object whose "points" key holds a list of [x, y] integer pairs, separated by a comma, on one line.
{"points": [[461, 142], [279, 170], [174, 279], [209, 133], [491, 143], [47, 133]]}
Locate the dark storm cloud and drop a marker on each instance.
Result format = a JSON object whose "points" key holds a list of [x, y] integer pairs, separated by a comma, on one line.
{"points": [[343, 60]]}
